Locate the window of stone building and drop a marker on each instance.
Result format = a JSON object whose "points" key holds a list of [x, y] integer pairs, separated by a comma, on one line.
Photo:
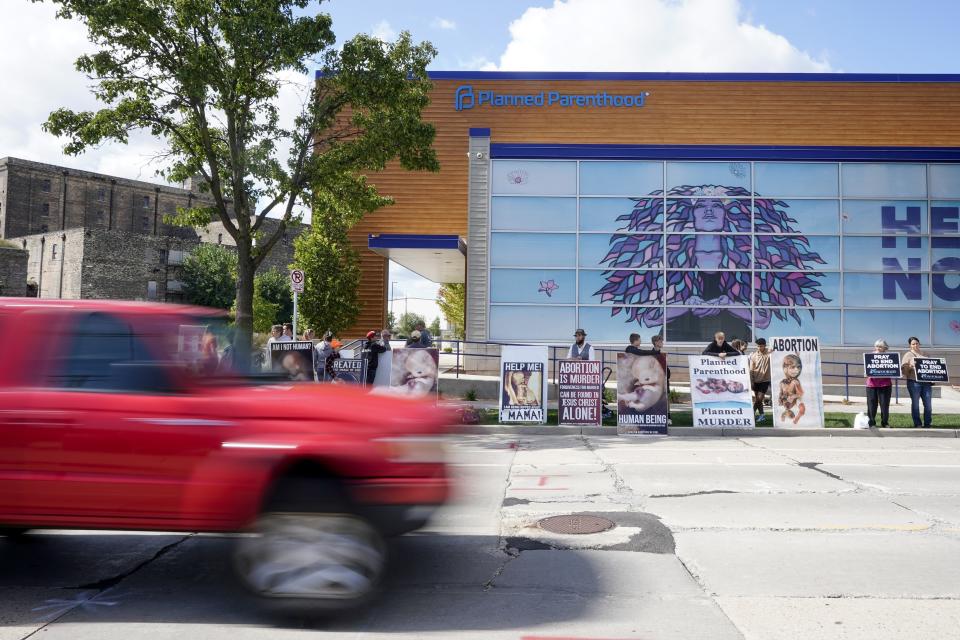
{"points": [[146, 202], [162, 256], [101, 194], [53, 253], [174, 286], [152, 290], [44, 228], [45, 209], [175, 256], [219, 238], [45, 185], [145, 223]]}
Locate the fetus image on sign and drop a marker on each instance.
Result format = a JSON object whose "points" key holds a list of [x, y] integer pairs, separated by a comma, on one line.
{"points": [[414, 371], [708, 386], [641, 383], [791, 392]]}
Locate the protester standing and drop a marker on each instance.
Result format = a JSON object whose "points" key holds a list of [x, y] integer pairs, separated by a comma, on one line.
{"points": [[426, 340], [878, 393], [720, 347], [324, 350], [276, 333], [580, 349], [657, 342], [371, 353], [415, 340], [760, 377], [918, 390], [385, 336], [740, 346], [634, 346], [287, 335]]}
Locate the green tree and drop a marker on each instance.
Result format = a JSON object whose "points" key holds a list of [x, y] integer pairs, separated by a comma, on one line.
{"points": [[210, 276], [451, 298], [274, 287], [391, 322], [331, 266], [434, 328], [408, 322], [205, 76]]}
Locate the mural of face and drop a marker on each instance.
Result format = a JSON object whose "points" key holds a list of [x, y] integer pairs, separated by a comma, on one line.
{"points": [[708, 215]]}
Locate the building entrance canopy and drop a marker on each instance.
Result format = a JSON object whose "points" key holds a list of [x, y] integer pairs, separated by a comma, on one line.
{"points": [[439, 258]]}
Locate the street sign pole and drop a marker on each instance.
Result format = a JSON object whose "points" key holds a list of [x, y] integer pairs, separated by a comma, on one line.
{"points": [[294, 315]]}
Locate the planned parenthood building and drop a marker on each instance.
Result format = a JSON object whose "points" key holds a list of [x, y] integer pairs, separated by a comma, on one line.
{"points": [[759, 204]]}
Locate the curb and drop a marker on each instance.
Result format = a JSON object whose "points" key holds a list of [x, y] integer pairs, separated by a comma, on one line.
{"points": [[701, 432]]}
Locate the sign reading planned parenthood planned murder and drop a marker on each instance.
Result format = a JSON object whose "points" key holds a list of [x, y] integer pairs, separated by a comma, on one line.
{"points": [[579, 392], [931, 369], [881, 365], [796, 384], [720, 390], [642, 400], [523, 384]]}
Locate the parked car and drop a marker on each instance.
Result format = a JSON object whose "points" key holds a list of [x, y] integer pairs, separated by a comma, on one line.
{"points": [[112, 416]]}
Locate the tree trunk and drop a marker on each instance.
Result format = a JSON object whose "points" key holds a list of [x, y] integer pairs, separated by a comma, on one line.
{"points": [[244, 321]]}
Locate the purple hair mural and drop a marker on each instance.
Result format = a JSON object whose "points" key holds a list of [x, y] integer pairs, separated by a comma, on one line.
{"points": [[717, 267]]}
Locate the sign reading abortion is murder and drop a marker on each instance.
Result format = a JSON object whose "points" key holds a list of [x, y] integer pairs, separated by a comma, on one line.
{"points": [[720, 390], [796, 384], [931, 369], [642, 400], [579, 392], [881, 365], [523, 384]]}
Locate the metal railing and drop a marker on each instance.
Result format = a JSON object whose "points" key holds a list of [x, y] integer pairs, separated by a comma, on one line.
{"points": [[676, 358]]}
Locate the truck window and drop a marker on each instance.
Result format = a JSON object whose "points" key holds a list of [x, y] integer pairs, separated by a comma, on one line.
{"points": [[103, 354]]}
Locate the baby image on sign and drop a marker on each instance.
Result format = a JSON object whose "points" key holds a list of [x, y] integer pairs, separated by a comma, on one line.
{"points": [[797, 389], [642, 401], [720, 391]]}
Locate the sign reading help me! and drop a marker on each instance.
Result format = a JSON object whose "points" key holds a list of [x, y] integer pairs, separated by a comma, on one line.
{"points": [[523, 384], [720, 390]]}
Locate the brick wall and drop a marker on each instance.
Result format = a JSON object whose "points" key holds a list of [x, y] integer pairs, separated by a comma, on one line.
{"points": [[13, 271]]}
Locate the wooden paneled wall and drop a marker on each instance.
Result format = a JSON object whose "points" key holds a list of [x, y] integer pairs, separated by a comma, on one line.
{"points": [[715, 113]]}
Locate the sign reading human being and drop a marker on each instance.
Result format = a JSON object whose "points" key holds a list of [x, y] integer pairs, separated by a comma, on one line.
{"points": [[720, 391], [642, 400], [523, 384], [415, 373], [346, 371], [881, 365], [796, 383], [580, 392], [931, 369], [294, 358]]}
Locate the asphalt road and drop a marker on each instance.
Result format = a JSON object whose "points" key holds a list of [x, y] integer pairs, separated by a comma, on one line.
{"points": [[764, 538]]}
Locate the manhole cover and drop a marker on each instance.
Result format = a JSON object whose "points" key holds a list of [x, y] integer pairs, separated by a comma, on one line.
{"points": [[576, 525]]}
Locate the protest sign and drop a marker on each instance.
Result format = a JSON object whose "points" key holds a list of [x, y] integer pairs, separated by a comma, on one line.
{"points": [[720, 392], [347, 371], [415, 372], [523, 384], [881, 365], [797, 385], [642, 399], [579, 392], [295, 358], [931, 369]]}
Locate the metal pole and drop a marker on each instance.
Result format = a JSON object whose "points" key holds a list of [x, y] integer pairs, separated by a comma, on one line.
{"points": [[294, 315]]}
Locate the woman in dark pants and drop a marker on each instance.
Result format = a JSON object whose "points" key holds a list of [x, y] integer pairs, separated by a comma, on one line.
{"points": [[918, 390], [878, 393]]}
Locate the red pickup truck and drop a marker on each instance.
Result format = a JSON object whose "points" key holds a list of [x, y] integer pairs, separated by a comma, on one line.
{"points": [[107, 421]]}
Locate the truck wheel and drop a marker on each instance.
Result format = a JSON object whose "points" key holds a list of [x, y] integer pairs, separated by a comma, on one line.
{"points": [[319, 559]]}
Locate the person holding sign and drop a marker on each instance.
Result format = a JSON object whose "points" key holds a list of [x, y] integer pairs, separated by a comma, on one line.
{"points": [[918, 390], [720, 347], [878, 393]]}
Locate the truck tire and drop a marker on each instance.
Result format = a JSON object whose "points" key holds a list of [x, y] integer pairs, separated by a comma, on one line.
{"points": [[309, 553]]}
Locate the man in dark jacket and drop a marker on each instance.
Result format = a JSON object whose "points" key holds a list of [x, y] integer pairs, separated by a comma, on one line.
{"points": [[634, 346], [720, 347], [371, 352]]}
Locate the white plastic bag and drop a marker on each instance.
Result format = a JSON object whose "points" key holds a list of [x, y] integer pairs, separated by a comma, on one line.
{"points": [[861, 421]]}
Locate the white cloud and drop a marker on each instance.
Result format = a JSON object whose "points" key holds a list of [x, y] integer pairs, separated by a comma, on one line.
{"points": [[443, 23], [37, 58], [384, 31], [649, 35]]}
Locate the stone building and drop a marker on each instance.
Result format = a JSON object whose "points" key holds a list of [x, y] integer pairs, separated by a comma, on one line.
{"points": [[90, 235]]}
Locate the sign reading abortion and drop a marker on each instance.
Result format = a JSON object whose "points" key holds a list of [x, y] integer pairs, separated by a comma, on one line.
{"points": [[642, 400], [931, 369], [881, 365], [523, 384], [797, 392], [466, 98], [720, 390], [579, 392]]}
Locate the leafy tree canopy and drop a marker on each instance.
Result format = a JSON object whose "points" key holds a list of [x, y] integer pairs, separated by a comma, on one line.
{"points": [[210, 276], [451, 298]]}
